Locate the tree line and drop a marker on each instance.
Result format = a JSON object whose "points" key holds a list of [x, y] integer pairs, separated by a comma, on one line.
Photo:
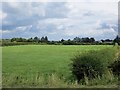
{"points": [[45, 40], [35, 39]]}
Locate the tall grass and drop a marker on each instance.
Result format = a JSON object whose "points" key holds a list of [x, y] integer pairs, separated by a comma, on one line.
{"points": [[53, 81]]}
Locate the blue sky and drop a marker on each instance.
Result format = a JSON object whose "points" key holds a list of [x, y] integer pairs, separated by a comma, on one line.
{"points": [[59, 20]]}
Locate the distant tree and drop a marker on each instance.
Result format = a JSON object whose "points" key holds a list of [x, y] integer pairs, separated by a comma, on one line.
{"points": [[36, 39], [30, 39], [62, 40], [85, 40], [103, 40], [117, 40], [69, 40], [108, 40], [42, 39], [77, 39], [18, 40], [46, 39], [92, 40], [13, 39]]}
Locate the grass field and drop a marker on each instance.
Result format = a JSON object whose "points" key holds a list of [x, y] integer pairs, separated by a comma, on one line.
{"points": [[27, 61]]}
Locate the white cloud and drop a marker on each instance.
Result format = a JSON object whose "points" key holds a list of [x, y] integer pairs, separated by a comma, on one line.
{"points": [[98, 8], [105, 33], [4, 32], [60, 19], [23, 28], [2, 15], [60, 0]]}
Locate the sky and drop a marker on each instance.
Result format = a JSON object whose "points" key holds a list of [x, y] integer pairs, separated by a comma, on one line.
{"points": [[59, 20]]}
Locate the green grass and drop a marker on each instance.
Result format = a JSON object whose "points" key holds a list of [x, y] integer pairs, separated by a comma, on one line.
{"points": [[30, 60]]}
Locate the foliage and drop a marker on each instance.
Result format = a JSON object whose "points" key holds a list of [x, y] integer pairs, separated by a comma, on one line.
{"points": [[18, 40], [116, 64], [86, 40], [36, 39], [117, 40], [44, 40], [91, 64], [115, 68], [68, 42]]}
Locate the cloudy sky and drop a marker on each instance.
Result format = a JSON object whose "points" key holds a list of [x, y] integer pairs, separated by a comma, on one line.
{"points": [[59, 20]]}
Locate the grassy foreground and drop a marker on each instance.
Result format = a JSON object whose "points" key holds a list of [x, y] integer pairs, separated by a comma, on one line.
{"points": [[43, 66]]}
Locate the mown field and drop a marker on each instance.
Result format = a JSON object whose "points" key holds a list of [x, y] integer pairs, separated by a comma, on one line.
{"points": [[40, 65]]}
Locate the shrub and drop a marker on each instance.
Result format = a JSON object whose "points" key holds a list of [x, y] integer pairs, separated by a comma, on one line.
{"points": [[91, 64], [115, 65], [115, 68]]}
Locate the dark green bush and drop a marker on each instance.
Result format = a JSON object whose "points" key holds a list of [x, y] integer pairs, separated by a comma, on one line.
{"points": [[115, 66], [91, 64]]}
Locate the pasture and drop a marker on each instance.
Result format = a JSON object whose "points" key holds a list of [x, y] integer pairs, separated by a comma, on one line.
{"points": [[29, 62]]}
